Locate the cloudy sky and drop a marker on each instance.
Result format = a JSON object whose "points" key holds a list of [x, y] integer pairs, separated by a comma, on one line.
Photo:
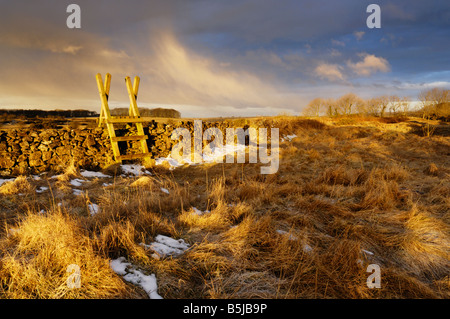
{"points": [[220, 58]]}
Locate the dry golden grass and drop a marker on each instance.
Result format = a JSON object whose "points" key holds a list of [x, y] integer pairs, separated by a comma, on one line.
{"points": [[35, 259], [344, 197], [17, 186]]}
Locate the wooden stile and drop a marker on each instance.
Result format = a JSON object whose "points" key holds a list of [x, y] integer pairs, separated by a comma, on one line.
{"points": [[133, 117]]}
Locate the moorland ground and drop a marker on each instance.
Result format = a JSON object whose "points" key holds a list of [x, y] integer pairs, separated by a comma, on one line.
{"points": [[349, 192]]}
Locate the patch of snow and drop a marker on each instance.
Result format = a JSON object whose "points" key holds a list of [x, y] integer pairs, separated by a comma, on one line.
{"points": [[209, 155], [2, 181], [216, 153], [42, 211], [173, 163], [93, 174], [176, 243], [119, 265], [130, 274], [41, 189], [165, 246], [288, 137], [93, 209], [77, 182], [106, 184], [77, 192], [164, 190], [132, 169]]}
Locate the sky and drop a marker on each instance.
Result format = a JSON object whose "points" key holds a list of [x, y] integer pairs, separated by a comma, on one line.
{"points": [[210, 58]]}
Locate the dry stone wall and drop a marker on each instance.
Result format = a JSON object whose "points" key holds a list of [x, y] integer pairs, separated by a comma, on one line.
{"points": [[30, 151]]}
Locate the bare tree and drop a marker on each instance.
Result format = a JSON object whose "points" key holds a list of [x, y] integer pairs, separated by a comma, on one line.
{"points": [[331, 108], [394, 103], [361, 107], [384, 102], [314, 107], [348, 103], [373, 106]]}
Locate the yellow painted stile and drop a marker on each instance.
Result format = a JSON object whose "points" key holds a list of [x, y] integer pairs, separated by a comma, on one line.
{"points": [[134, 117]]}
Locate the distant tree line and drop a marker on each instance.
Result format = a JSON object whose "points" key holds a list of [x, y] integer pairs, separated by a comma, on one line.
{"points": [[143, 111], [47, 113], [435, 104]]}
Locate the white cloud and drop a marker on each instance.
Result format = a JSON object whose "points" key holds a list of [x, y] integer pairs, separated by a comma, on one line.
{"points": [[330, 72], [369, 65]]}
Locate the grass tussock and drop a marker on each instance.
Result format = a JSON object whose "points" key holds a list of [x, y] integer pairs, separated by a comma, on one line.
{"points": [[35, 260], [20, 185]]}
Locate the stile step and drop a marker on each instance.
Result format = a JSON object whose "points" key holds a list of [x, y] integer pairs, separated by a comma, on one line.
{"points": [[129, 138], [125, 119], [132, 156]]}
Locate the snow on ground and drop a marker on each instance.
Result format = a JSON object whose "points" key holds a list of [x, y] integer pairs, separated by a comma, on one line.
{"points": [[209, 155], [2, 181], [288, 137], [77, 182], [77, 192], [93, 209], [93, 174], [134, 169], [164, 246], [135, 276], [164, 190], [41, 189], [173, 163]]}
